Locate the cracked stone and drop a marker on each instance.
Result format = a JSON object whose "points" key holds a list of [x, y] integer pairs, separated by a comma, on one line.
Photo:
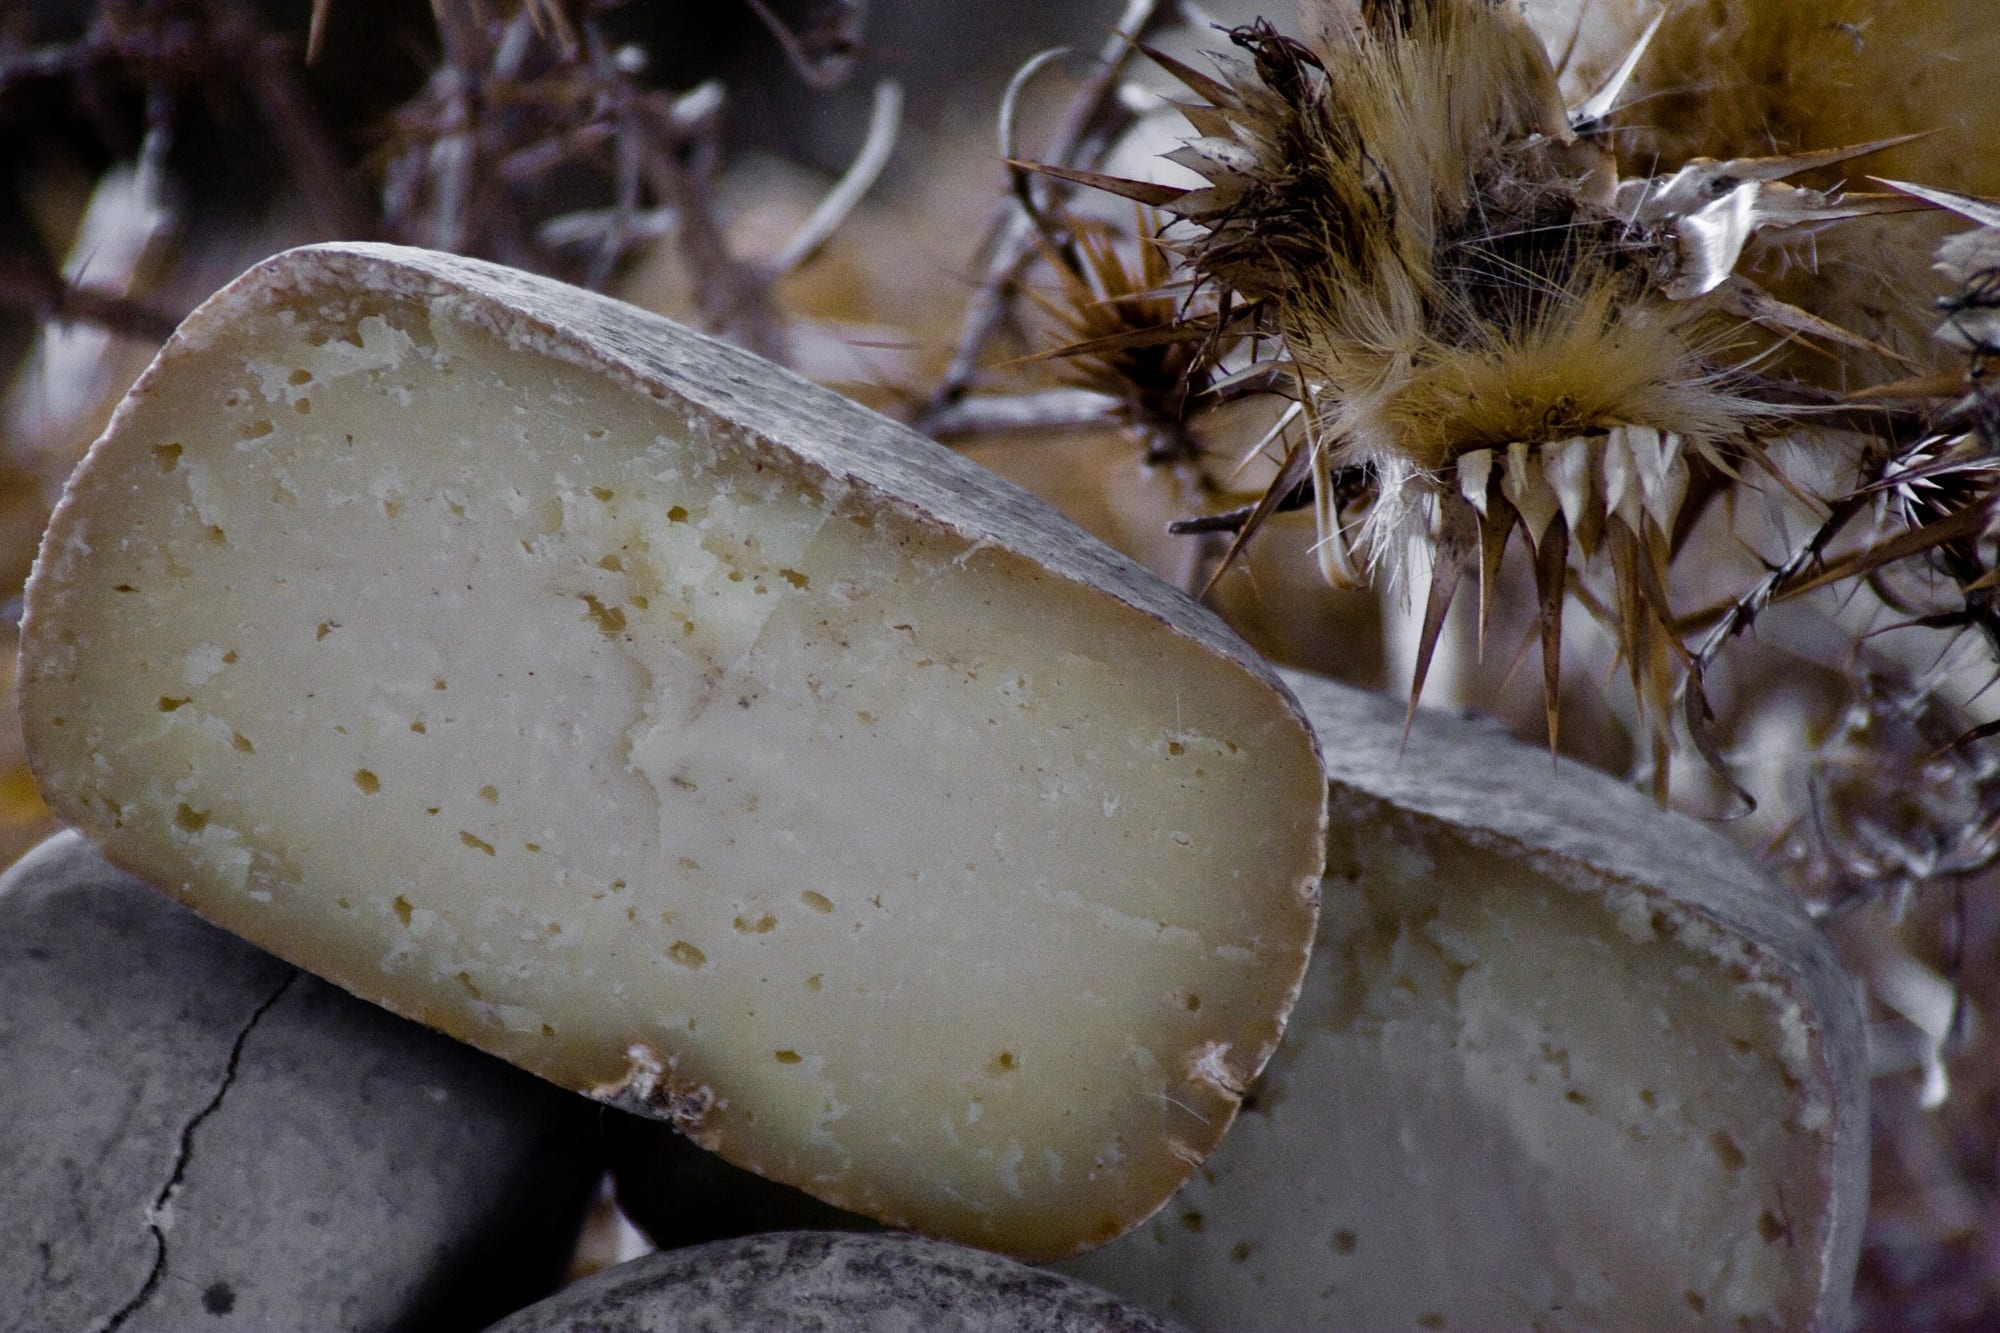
{"points": [[194, 1135]]}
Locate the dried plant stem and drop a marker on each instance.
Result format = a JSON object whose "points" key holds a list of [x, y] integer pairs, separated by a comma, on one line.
{"points": [[24, 285], [1091, 122], [858, 179], [1049, 409], [840, 39], [270, 74]]}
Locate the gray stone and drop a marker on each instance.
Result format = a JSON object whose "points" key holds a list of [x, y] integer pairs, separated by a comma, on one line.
{"points": [[194, 1135], [681, 1194], [810, 1281]]}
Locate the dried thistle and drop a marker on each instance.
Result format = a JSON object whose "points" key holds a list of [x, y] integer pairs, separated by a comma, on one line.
{"points": [[1725, 80], [1125, 337], [1480, 316], [1903, 798], [1935, 493]]}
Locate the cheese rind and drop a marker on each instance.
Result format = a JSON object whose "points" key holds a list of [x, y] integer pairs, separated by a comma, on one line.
{"points": [[618, 703], [1563, 1060]]}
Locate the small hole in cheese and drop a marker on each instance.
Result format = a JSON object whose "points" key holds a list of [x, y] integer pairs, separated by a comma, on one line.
{"points": [[476, 844], [819, 902], [610, 620], [686, 954], [367, 781]]}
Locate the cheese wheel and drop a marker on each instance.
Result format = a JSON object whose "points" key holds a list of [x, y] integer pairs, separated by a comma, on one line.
{"points": [[623, 705], [1564, 1060]]}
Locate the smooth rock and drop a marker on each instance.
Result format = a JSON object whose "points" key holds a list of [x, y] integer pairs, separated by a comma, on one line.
{"points": [[194, 1135], [809, 1281]]}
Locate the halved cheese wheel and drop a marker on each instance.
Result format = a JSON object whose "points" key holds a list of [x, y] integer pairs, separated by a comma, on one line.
{"points": [[619, 703]]}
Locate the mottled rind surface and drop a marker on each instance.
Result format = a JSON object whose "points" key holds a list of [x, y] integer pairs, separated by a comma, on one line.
{"points": [[195, 1135], [817, 1282], [1577, 826]]}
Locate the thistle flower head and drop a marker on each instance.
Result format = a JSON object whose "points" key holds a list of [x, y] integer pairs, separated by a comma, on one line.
{"points": [[1479, 315]]}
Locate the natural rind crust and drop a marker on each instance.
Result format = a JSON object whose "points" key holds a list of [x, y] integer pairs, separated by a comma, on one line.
{"points": [[1579, 828], [756, 405], [856, 459], [816, 1282]]}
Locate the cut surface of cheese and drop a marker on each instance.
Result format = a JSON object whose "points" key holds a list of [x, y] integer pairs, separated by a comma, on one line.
{"points": [[1563, 1060], [616, 702]]}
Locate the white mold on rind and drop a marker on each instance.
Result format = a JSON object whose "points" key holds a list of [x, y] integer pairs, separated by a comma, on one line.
{"points": [[1563, 1060], [628, 707]]}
